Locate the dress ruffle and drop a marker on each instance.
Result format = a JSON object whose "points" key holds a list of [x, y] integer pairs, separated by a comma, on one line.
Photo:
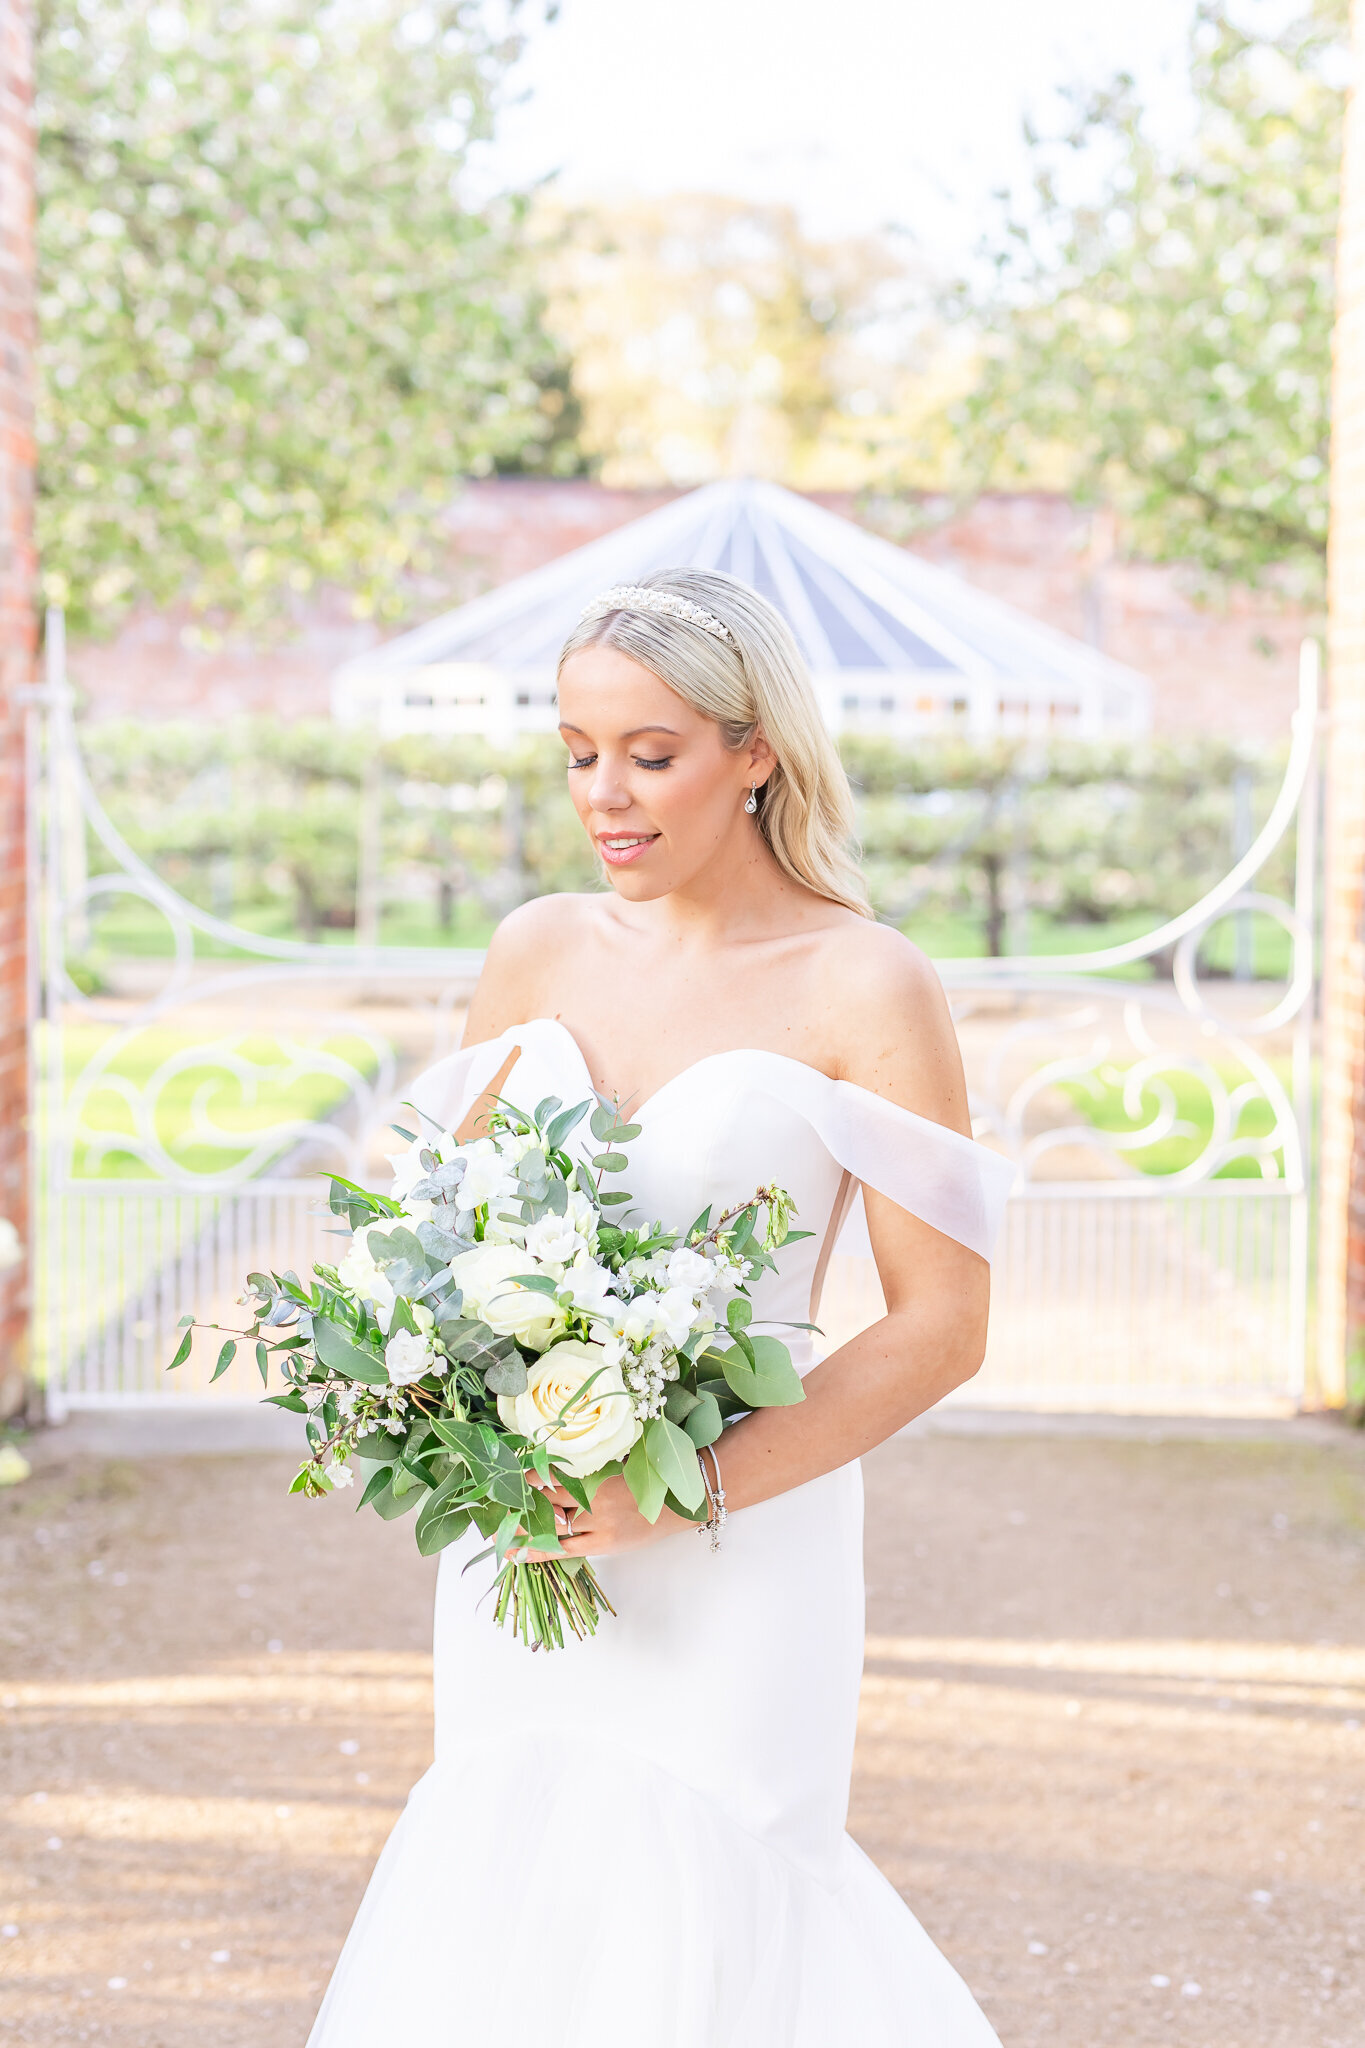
{"points": [[583, 1896]]}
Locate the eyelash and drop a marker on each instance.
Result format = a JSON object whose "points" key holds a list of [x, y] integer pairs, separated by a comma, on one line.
{"points": [[665, 761]]}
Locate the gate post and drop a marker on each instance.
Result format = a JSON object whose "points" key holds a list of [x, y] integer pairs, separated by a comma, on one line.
{"points": [[1341, 1319], [17, 644]]}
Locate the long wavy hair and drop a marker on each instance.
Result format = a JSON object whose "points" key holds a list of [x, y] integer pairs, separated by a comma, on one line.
{"points": [[757, 681]]}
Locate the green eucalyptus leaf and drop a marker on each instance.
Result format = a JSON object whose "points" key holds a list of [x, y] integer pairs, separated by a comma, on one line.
{"points": [[182, 1351], [611, 1162], [704, 1423], [391, 1504], [225, 1358], [443, 1517], [376, 1484], [761, 1373], [646, 1484], [339, 1353], [674, 1457], [507, 1375], [559, 1127]]}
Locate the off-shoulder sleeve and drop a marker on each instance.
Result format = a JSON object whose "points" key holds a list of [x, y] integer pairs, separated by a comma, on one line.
{"points": [[948, 1181], [448, 1090]]}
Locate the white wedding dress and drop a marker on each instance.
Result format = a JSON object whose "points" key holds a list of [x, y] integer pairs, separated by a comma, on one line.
{"points": [[638, 1841]]}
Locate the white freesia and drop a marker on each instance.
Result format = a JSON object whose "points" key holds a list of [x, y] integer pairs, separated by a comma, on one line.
{"points": [[361, 1274], [689, 1269], [584, 1425], [554, 1240], [588, 1285], [486, 1174], [407, 1356], [485, 1276], [407, 1170], [675, 1314]]}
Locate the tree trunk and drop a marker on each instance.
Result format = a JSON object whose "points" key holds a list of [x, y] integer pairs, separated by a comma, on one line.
{"points": [[993, 871]]}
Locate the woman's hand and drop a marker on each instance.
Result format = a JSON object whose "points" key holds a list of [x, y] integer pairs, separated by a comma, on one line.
{"points": [[612, 1523]]}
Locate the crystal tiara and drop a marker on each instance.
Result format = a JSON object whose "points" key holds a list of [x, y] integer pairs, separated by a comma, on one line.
{"points": [[634, 597]]}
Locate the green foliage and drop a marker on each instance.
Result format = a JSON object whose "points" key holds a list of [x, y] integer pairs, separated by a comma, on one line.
{"points": [[258, 822], [1068, 835], [255, 817], [274, 329], [1165, 344]]}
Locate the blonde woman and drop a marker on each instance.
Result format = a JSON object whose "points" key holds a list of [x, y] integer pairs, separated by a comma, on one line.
{"points": [[639, 1842]]}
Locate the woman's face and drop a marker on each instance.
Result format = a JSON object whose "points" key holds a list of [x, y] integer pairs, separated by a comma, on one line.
{"points": [[659, 793]]}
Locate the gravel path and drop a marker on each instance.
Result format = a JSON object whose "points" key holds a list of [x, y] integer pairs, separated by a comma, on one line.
{"points": [[1112, 1747]]}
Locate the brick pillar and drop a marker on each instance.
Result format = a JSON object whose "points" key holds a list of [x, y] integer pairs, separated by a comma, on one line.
{"points": [[1341, 1334], [17, 646]]}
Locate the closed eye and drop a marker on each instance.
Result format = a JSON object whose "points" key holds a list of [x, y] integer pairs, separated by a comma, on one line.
{"points": [[586, 761]]}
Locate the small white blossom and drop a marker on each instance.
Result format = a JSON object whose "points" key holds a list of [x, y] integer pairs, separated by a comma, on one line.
{"points": [[588, 1285], [553, 1241], [687, 1268], [407, 1356], [340, 1473], [486, 1175], [359, 1272]]}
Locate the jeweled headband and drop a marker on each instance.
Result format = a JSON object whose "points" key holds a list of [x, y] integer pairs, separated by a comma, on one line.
{"points": [[634, 597]]}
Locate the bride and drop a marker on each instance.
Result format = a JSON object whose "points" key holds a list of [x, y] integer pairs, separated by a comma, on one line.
{"points": [[638, 1841]]}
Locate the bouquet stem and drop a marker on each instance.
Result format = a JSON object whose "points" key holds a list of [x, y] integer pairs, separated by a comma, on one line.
{"points": [[539, 1596]]}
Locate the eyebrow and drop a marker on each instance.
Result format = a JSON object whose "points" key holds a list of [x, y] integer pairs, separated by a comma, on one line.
{"points": [[634, 734]]}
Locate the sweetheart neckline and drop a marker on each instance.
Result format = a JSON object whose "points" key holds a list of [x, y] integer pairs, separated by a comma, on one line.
{"points": [[735, 1052], [707, 1058]]}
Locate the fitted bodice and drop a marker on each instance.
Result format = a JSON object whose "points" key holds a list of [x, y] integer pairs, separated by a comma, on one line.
{"points": [[736, 1120]]}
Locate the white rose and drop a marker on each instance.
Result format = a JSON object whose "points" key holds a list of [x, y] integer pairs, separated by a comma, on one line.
{"points": [[359, 1272], [484, 1275], [407, 1356], [601, 1424]]}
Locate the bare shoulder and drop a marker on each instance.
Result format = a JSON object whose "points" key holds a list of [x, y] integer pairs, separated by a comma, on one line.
{"points": [[520, 964], [892, 1031]]}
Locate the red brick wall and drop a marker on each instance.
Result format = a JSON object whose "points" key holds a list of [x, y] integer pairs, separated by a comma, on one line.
{"points": [[16, 628], [1342, 1234], [1229, 666]]}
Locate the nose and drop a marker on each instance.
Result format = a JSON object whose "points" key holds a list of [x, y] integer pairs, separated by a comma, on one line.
{"points": [[606, 792]]}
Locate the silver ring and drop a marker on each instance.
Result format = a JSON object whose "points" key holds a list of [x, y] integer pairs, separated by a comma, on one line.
{"points": [[568, 1514]]}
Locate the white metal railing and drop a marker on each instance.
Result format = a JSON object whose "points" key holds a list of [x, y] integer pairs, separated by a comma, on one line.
{"points": [[1114, 1287]]}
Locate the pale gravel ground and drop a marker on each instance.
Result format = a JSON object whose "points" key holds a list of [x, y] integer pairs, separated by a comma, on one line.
{"points": [[1113, 1730]]}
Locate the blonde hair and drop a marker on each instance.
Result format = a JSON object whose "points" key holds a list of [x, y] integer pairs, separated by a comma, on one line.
{"points": [[755, 680]]}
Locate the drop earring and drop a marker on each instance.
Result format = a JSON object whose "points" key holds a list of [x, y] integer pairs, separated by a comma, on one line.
{"points": [[751, 801]]}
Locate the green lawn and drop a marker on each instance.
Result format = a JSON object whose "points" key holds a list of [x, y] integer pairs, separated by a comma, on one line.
{"points": [[130, 925], [198, 1098], [1101, 1104]]}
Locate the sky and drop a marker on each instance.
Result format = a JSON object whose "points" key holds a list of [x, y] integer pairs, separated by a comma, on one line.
{"points": [[861, 113]]}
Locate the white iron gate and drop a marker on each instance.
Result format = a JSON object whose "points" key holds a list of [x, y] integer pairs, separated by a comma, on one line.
{"points": [[183, 1111]]}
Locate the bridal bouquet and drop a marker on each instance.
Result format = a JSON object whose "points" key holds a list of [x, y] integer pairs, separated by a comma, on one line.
{"points": [[488, 1327]]}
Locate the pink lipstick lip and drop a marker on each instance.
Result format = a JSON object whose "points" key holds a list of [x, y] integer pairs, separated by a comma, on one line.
{"points": [[620, 857]]}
